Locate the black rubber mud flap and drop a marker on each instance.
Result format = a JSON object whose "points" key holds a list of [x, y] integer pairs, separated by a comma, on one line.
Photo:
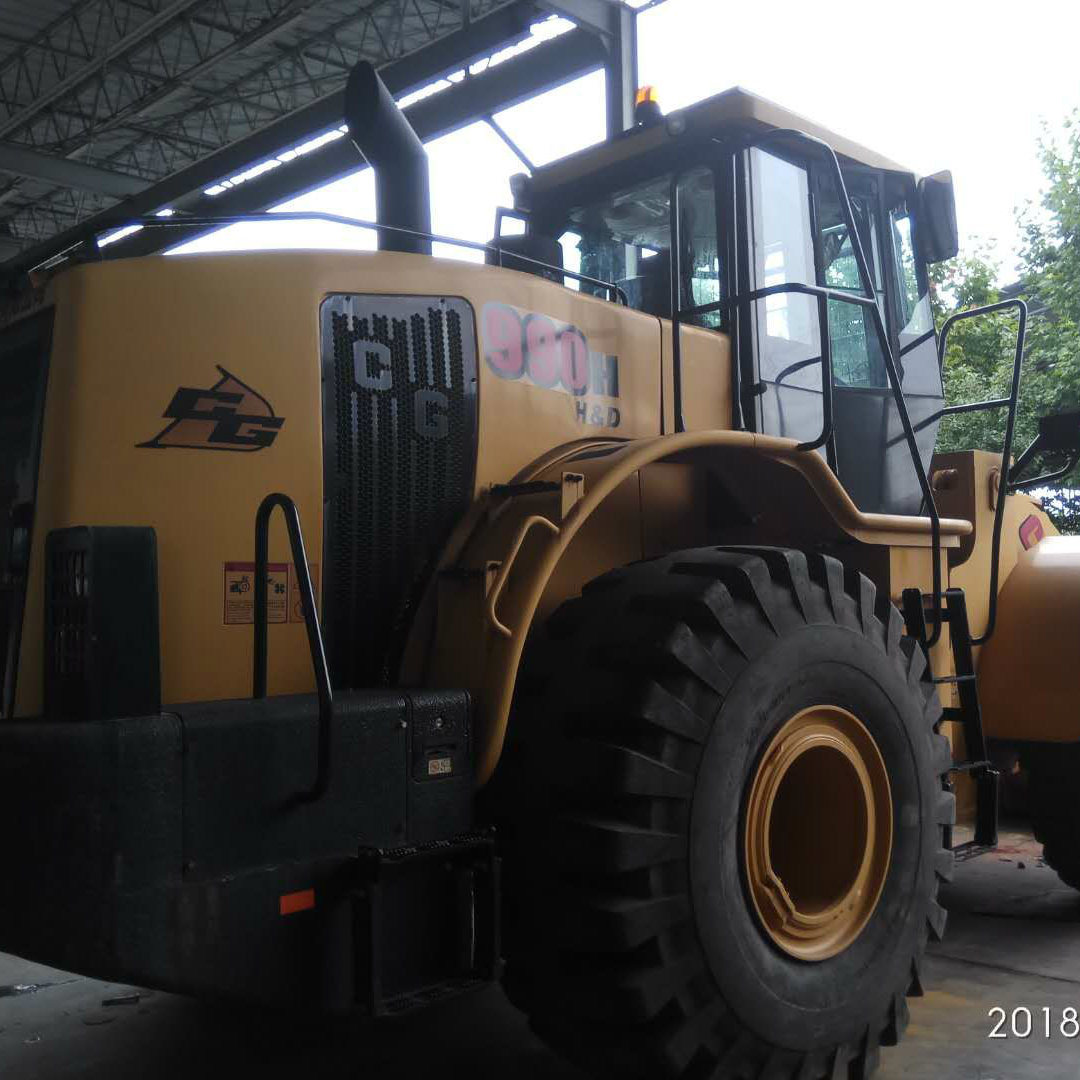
{"points": [[640, 719]]}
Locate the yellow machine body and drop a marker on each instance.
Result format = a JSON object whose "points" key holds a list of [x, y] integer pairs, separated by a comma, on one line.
{"points": [[1027, 673], [621, 485], [129, 334]]}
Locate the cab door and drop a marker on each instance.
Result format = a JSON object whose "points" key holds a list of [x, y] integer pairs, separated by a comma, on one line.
{"points": [[783, 388], [796, 233]]}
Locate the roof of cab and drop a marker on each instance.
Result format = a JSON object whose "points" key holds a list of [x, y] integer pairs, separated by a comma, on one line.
{"points": [[736, 109]]}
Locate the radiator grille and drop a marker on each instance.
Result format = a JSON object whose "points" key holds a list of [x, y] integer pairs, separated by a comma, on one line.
{"points": [[102, 652], [399, 425]]}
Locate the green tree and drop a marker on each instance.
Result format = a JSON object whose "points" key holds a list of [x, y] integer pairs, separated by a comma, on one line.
{"points": [[979, 359]]}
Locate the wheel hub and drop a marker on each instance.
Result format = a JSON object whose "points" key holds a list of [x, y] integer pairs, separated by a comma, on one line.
{"points": [[818, 835]]}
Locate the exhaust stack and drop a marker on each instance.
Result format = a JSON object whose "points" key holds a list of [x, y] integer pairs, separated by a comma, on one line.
{"points": [[386, 139]]}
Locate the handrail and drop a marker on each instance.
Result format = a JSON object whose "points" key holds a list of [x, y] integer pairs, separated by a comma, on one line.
{"points": [[503, 575], [178, 221], [311, 622], [1044, 478], [823, 295], [1010, 429]]}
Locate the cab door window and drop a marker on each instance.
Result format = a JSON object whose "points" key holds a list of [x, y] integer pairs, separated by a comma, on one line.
{"points": [[921, 375], [856, 349], [787, 339], [699, 254]]}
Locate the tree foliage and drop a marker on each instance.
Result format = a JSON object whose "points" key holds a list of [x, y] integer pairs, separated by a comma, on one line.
{"points": [[979, 359]]}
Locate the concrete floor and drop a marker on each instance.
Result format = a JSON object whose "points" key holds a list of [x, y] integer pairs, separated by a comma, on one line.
{"points": [[1013, 940]]}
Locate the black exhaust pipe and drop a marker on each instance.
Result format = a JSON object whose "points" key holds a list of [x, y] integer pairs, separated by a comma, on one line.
{"points": [[381, 132]]}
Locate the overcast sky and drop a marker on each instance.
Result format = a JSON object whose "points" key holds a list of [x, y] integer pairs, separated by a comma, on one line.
{"points": [[953, 84]]}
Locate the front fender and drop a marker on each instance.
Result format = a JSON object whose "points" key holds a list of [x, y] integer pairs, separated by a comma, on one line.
{"points": [[516, 559]]}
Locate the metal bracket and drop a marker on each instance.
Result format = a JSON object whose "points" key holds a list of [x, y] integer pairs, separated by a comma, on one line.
{"points": [[573, 491]]}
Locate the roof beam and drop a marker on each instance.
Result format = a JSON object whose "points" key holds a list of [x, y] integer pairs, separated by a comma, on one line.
{"points": [[595, 15], [88, 71], [156, 153], [547, 65], [615, 25], [33, 165], [287, 18], [457, 49]]}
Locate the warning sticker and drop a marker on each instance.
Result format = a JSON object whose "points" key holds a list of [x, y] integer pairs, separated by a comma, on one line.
{"points": [[296, 606], [239, 603]]}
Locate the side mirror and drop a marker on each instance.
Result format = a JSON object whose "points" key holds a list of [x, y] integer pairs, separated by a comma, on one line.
{"points": [[503, 212], [939, 238]]}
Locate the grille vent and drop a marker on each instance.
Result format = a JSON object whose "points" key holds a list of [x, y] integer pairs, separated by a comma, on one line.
{"points": [[67, 629], [101, 623], [399, 422]]}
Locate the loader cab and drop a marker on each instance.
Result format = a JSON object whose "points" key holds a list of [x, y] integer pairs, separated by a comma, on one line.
{"points": [[753, 209]]}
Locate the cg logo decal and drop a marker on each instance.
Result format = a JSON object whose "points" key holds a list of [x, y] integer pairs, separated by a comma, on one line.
{"points": [[227, 416]]}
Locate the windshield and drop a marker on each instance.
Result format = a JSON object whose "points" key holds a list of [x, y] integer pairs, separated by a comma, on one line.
{"points": [[625, 237]]}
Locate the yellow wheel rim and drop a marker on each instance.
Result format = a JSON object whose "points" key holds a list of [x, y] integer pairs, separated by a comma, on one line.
{"points": [[818, 836]]}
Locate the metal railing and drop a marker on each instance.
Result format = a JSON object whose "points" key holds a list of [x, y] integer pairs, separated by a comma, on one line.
{"points": [[1010, 403], [179, 221], [311, 622]]}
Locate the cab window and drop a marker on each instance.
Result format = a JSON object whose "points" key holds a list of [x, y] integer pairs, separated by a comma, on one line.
{"points": [[856, 350], [913, 296], [699, 258], [787, 341], [625, 238]]}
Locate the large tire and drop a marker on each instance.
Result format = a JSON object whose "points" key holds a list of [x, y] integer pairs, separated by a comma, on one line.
{"points": [[645, 707], [1055, 806]]}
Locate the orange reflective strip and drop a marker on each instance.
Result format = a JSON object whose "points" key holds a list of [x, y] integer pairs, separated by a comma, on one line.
{"points": [[293, 902]]}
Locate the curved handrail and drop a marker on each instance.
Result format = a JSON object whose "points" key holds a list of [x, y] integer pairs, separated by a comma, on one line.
{"points": [[1010, 429], [311, 622]]}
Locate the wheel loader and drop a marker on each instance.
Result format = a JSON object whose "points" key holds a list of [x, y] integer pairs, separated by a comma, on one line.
{"points": [[597, 618]]}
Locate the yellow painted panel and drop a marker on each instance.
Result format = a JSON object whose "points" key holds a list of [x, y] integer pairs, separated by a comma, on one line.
{"points": [[129, 334]]}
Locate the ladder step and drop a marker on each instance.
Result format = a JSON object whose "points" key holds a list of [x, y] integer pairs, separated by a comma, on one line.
{"points": [[929, 604]]}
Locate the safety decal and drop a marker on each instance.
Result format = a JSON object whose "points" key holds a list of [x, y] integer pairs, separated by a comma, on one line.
{"points": [[1031, 531], [296, 605], [283, 603], [240, 593], [227, 416], [544, 352]]}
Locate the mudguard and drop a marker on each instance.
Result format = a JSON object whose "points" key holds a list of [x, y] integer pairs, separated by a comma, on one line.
{"points": [[514, 561]]}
